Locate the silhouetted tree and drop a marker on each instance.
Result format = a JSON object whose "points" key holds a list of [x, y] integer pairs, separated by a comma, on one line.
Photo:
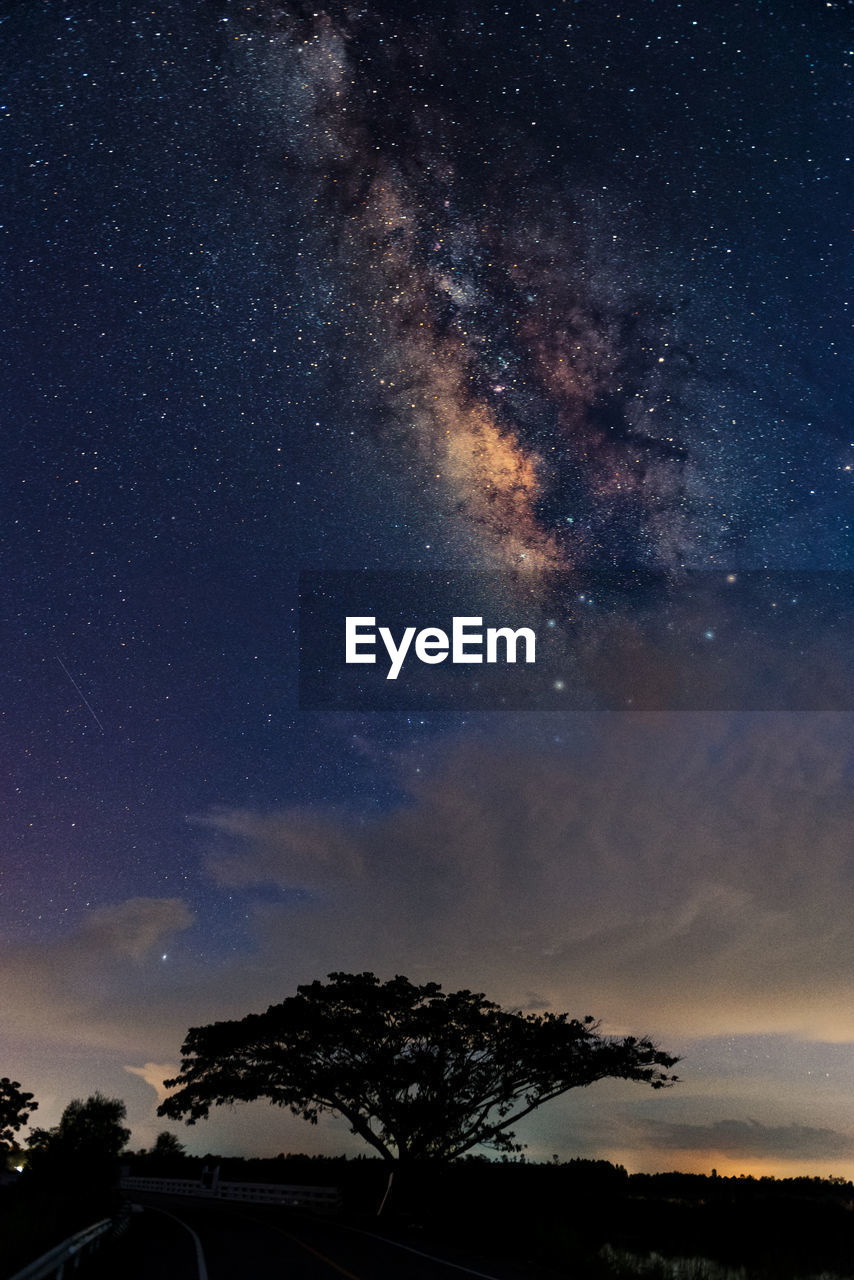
{"points": [[83, 1148], [166, 1145], [16, 1107], [419, 1073], [165, 1157]]}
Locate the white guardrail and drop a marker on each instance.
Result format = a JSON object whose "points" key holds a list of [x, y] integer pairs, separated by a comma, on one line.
{"points": [[54, 1262], [253, 1192]]}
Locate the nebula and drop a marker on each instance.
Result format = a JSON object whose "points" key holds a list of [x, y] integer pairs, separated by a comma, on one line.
{"points": [[494, 347]]}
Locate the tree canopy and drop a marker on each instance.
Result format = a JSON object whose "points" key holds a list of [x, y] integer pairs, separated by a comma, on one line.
{"points": [[418, 1072], [87, 1140], [16, 1106], [167, 1146]]}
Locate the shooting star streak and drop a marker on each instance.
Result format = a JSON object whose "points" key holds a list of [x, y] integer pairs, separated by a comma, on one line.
{"points": [[87, 704]]}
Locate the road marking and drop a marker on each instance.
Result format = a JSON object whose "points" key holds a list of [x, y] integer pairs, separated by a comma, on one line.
{"points": [[200, 1253], [443, 1262], [302, 1244]]}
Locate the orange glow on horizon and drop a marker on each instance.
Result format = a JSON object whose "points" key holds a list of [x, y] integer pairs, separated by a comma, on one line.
{"points": [[704, 1162]]}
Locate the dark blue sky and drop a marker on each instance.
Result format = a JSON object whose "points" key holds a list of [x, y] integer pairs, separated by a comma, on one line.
{"points": [[388, 288]]}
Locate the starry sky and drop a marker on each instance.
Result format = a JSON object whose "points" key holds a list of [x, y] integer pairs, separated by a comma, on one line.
{"points": [[543, 293]]}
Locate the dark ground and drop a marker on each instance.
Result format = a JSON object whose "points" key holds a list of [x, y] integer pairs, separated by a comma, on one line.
{"points": [[507, 1221]]}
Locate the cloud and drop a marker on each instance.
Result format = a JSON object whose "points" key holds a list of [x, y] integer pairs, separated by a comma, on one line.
{"points": [[748, 1139], [154, 1074], [299, 848], [132, 928], [96, 983], [686, 876], [686, 873]]}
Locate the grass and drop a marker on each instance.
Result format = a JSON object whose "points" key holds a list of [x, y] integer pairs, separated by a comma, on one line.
{"points": [[620, 1265]]}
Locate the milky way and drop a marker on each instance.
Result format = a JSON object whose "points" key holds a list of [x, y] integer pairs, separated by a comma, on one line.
{"points": [[497, 347], [548, 357]]}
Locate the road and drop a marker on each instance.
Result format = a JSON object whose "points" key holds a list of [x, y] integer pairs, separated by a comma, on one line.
{"points": [[181, 1238]]}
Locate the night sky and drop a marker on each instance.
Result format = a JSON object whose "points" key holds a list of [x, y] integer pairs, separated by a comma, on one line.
{"points": [[534, 292]]}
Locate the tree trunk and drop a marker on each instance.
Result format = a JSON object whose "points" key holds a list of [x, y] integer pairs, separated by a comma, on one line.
{"points": [[387, 1192]]}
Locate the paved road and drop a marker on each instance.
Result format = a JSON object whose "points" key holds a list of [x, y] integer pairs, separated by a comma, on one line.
{"points": [[179, 1238]]}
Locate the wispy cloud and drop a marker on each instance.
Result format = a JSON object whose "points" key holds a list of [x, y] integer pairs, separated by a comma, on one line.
{"points": [[751, 1140], [154, 1074], [689, 872]]}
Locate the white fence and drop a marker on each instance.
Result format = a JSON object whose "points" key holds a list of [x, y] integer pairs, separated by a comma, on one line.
{"points": [[297, 1197]]}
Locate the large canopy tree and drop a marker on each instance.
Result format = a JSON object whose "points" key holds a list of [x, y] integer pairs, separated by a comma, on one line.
{"points": [[419, 1073]]}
